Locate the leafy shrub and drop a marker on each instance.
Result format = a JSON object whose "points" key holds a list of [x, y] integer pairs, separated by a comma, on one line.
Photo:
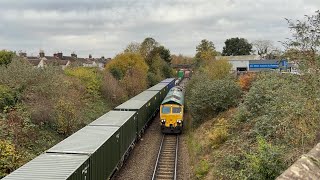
{"points": [[246, 80], [202, 169], [9, 158], [112, 90], [281, 108], [66, 117], [89, 76], [218, 134], [6, 57], [266, 163], [6, 97], [207, 97]]}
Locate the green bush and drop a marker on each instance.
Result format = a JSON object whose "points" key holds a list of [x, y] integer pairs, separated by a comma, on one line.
{"points": [[208, 97], [6, 97], [265, 163], [202, 169], [284, 108]]}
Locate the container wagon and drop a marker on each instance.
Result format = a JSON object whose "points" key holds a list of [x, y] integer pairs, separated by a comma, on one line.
{"points": [[97, 150], [54, 166], [171, 82]]}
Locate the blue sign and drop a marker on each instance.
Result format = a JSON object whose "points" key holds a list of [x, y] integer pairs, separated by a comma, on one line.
{"points": [[285, 63], [270, 66]]}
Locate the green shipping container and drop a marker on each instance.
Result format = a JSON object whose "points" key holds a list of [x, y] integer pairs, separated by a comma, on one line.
{"points": [[141, 107], [101, 143], [180, 74], [153, 98], [53, 167], [127, 123], [162, 88]]}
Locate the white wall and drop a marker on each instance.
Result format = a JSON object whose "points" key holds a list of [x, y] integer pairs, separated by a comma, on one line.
{"points": [[236, 64]]}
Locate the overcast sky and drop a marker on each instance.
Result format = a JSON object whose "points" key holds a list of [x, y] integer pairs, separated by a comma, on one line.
{"points": [[105, 27]]}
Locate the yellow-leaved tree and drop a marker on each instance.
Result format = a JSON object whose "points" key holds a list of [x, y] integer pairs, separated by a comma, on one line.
{"points": [[218, 69], [131, 70]]}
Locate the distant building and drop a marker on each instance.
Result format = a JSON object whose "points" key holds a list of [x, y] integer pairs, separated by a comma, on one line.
{"points": [[254, 63], [239, 63], [58, 59]]}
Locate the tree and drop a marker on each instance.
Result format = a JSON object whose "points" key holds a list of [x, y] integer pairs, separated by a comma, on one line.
{"points": [[218, 69], [125, 62], [305, 41], [263, 47], [160, 51], [180, 59], [164, 54], [147, 46], [6, 57], [236, 47], [205, 51], [133, 47]]}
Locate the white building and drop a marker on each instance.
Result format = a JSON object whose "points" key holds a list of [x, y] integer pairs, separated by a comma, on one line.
{"points": [[239, 63]]}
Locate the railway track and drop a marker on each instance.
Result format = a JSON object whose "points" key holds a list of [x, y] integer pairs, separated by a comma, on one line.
{"points": [[166, 163]]}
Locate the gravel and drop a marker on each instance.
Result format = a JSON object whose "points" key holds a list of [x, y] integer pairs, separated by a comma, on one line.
{"points": [[140, 164], [184, 166]]}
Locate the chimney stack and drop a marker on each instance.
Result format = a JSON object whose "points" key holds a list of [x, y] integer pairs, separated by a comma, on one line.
{"points": [[60, 55], [41, 54], [22, 54], [90, 56], [74, 55]]}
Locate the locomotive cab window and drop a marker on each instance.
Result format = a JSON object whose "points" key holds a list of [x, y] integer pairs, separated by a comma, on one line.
{"points": [[176, 110], [166, 109]]}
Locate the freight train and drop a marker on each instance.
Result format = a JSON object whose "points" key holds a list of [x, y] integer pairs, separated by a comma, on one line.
{"points": [[96, 151]]}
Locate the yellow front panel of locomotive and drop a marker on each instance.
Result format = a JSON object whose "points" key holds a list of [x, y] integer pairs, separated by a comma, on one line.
{"points": [[170, 117]]}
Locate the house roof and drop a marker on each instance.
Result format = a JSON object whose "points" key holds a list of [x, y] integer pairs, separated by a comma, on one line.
{"points": [[34, 62], [50, 57], [57, 62], [239, 58]]}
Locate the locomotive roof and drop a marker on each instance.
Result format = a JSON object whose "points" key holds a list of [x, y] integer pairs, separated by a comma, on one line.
{"points": [[175, 96]]}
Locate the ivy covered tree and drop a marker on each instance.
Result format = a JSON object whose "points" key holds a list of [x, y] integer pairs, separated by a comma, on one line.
{"points": [[236, 47]]}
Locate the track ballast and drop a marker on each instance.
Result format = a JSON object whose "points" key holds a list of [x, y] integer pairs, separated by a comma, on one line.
{"points": [[166, 164]]}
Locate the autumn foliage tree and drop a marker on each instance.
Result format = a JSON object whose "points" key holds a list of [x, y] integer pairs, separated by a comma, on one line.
{"points": [[133, 69], [246, 80], [218, 69]]}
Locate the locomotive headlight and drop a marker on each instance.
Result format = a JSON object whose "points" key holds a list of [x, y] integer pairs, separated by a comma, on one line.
{"points": [[179, 121], [163, 121]]}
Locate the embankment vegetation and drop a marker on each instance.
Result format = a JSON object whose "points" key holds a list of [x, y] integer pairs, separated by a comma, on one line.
{"points": [[256, 125], [39, 107]]}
